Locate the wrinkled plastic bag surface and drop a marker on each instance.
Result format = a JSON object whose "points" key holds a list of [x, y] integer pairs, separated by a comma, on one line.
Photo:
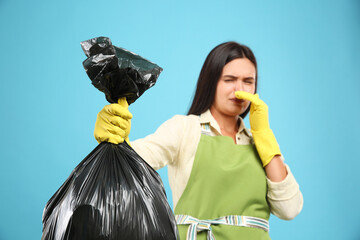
{"points": [[106, 64], [112, 194]]}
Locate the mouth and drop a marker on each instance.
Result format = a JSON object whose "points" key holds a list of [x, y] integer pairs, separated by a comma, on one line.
{"points": [[237, 101]]}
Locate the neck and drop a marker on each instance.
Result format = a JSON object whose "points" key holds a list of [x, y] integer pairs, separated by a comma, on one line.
{"points": [[228, 124]]}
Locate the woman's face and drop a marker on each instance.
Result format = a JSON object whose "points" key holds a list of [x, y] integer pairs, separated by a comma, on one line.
{"points": [[237, 75]]}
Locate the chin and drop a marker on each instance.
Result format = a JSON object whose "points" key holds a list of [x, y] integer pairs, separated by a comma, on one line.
{"points": [[235, 113]]}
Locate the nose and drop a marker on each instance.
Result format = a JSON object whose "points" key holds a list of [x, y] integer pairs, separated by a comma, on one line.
{"points": [[239, 86]]}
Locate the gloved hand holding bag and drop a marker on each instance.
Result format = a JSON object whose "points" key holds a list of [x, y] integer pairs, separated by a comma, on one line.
{"points": [[113, 123]]}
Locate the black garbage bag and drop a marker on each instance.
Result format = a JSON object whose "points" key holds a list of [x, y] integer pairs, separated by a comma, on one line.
{"points": [[106, 64], [113, 193]]}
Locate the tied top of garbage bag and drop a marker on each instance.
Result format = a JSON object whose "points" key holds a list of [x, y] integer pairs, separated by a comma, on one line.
{"points": [[116, 71]]}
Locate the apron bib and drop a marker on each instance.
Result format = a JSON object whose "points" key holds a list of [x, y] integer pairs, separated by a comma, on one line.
{"points": [[226, 180]]}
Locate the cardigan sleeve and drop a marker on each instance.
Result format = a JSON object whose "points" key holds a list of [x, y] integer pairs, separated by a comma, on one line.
{"points": [[284, 198], [161, 148]]}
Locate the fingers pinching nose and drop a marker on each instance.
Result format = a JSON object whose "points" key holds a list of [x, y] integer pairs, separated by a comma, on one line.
{"points": [[244, 95]]}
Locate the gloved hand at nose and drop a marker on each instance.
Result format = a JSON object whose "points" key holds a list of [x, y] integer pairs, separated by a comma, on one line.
{"points": [[264, 138], [113, 123]]}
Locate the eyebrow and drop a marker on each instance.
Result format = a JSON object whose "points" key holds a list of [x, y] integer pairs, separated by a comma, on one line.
{"points": [[232, 76]]}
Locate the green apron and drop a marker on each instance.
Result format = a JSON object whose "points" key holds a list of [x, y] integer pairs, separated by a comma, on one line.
{"points": [[226, 179]]}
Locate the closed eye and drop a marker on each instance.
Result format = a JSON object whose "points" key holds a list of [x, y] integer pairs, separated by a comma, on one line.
{"points": [[249, 80], [229, 78]]}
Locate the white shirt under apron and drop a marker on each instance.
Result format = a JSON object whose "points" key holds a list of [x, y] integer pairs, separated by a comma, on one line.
{"points": [[175, 143]]}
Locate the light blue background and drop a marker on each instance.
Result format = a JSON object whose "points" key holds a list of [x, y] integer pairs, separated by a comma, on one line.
{"points": [[308, 54]]}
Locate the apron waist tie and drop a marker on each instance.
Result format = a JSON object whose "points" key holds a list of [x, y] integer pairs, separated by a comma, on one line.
{"points": [[197, 225]]}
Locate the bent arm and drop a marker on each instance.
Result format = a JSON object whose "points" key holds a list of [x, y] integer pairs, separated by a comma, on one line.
{"points": [[284, 197], [276, 170]]}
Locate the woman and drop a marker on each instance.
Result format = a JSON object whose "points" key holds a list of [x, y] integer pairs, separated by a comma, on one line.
{"points": [[224, 186]]}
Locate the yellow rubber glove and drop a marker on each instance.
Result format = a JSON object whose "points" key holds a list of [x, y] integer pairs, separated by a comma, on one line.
{"points": [[113, 123], [264, 138]]}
